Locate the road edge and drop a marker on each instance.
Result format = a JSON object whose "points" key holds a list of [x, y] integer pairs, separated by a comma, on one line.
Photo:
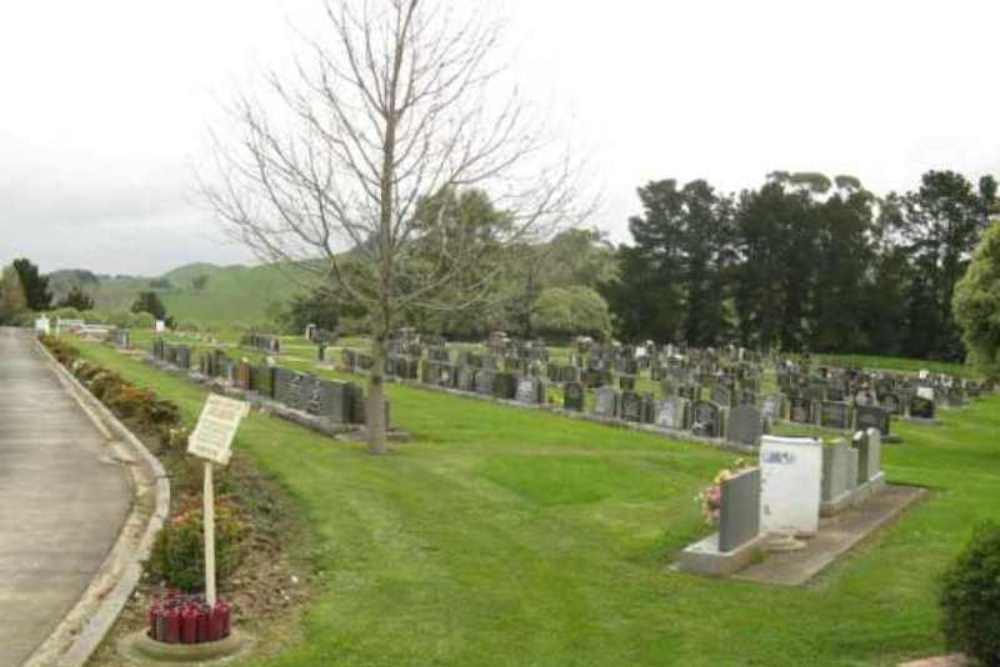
{"points": [[85, 626]]}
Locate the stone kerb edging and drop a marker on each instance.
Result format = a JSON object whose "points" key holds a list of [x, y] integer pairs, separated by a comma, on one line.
{"points": [[77, 637], [653, 429]]}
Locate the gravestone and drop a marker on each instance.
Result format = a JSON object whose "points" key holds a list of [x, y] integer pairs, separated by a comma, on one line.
{"points": [[836, 471], [264, 381], [746, 426], [467, 378], [631, 406], [573, 396], [771, 409], [835, 415], [866, 417], [869, 446], [739, 515], [446, 375], [484, 381], [706, 419], [921, 408], [722, 395], [791, 485], [893, 404], [800, 410], [852, 468], [626, 383], [672, 413], [530, 390], [606, 402]]}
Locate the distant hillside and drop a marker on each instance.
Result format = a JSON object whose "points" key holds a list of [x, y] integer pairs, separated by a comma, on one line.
{"points": [[230, 295]]}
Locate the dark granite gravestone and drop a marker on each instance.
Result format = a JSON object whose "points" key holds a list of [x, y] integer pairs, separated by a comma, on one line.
{"points": [[573, 396], [505, 386], [870, 416], [284, 389], [921, 408], [800, 410], [835, 415], [606, 402], [739, 515], [706, 419], [334, 400], [631, 406], [746, 426]]}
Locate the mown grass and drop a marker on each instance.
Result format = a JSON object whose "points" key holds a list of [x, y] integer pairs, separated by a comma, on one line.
{"points": [[501, 536]]}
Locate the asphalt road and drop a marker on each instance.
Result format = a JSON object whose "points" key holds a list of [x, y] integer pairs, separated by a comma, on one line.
{"points": [[62, 501]]}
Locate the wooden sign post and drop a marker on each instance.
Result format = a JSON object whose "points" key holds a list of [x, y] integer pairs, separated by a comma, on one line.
{"points": [[212, 440]]}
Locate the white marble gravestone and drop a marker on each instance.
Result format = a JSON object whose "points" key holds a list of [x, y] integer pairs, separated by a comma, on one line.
{"points": [[791, 485]]}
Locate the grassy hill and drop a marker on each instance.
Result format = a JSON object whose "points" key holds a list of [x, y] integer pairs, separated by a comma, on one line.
{"points": [[232, 295]]}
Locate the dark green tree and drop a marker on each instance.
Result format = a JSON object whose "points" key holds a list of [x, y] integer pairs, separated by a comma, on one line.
{"points": [[149, 302], [35, 285], [78, 299], [939, 226]]}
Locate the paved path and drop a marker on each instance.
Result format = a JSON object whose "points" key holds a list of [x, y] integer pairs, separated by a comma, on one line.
{"points": [[62, 503]]}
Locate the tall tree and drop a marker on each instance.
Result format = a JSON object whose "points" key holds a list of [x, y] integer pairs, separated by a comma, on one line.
{"points": [[35, 285], [397, 102], [12, 299], [149, 302], [939, 226], [77, 299], [776, 243], [977, 303]]}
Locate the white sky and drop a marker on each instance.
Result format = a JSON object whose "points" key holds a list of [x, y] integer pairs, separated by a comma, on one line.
{"points": [[105, 104]]}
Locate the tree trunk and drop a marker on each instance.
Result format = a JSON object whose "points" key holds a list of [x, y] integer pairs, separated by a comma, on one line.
{"points": [[376, 399]]}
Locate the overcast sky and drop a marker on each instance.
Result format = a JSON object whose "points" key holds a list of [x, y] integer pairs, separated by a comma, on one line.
{"points": [[105, 104]]}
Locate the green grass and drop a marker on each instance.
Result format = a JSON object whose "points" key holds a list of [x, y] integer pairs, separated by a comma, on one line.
{"points": [[501, 536], [898, 364]]}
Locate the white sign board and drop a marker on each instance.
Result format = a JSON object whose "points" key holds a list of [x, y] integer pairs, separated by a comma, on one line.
{"points": [[212, 439], [790, 485]]}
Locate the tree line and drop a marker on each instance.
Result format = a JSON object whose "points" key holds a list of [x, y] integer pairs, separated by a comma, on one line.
{"points": [[801, 263]]}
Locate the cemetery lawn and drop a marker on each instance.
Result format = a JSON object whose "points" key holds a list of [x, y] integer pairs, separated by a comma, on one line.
{"points": [[501, 536]]}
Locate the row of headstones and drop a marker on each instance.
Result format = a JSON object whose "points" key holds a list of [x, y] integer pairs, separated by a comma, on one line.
{"points": [[504, 385], [835, 415], [262, 342], [177, 355], [340, 402], [795, 477]]}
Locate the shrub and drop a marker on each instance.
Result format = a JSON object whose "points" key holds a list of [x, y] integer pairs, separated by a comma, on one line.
{"points": [[565, 312], [970, 597], [178, 556]]}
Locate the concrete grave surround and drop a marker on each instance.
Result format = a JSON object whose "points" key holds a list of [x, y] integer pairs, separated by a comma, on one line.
{"points": [[791, 481]]}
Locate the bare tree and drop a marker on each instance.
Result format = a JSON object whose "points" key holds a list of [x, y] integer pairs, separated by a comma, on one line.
{"points": [[394, 104]]}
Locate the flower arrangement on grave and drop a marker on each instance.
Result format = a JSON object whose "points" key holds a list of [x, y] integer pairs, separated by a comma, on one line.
{"points": [[710, 498]]}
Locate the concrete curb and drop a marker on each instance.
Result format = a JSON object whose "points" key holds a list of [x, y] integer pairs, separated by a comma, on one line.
{"points": [[79, 634]]}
